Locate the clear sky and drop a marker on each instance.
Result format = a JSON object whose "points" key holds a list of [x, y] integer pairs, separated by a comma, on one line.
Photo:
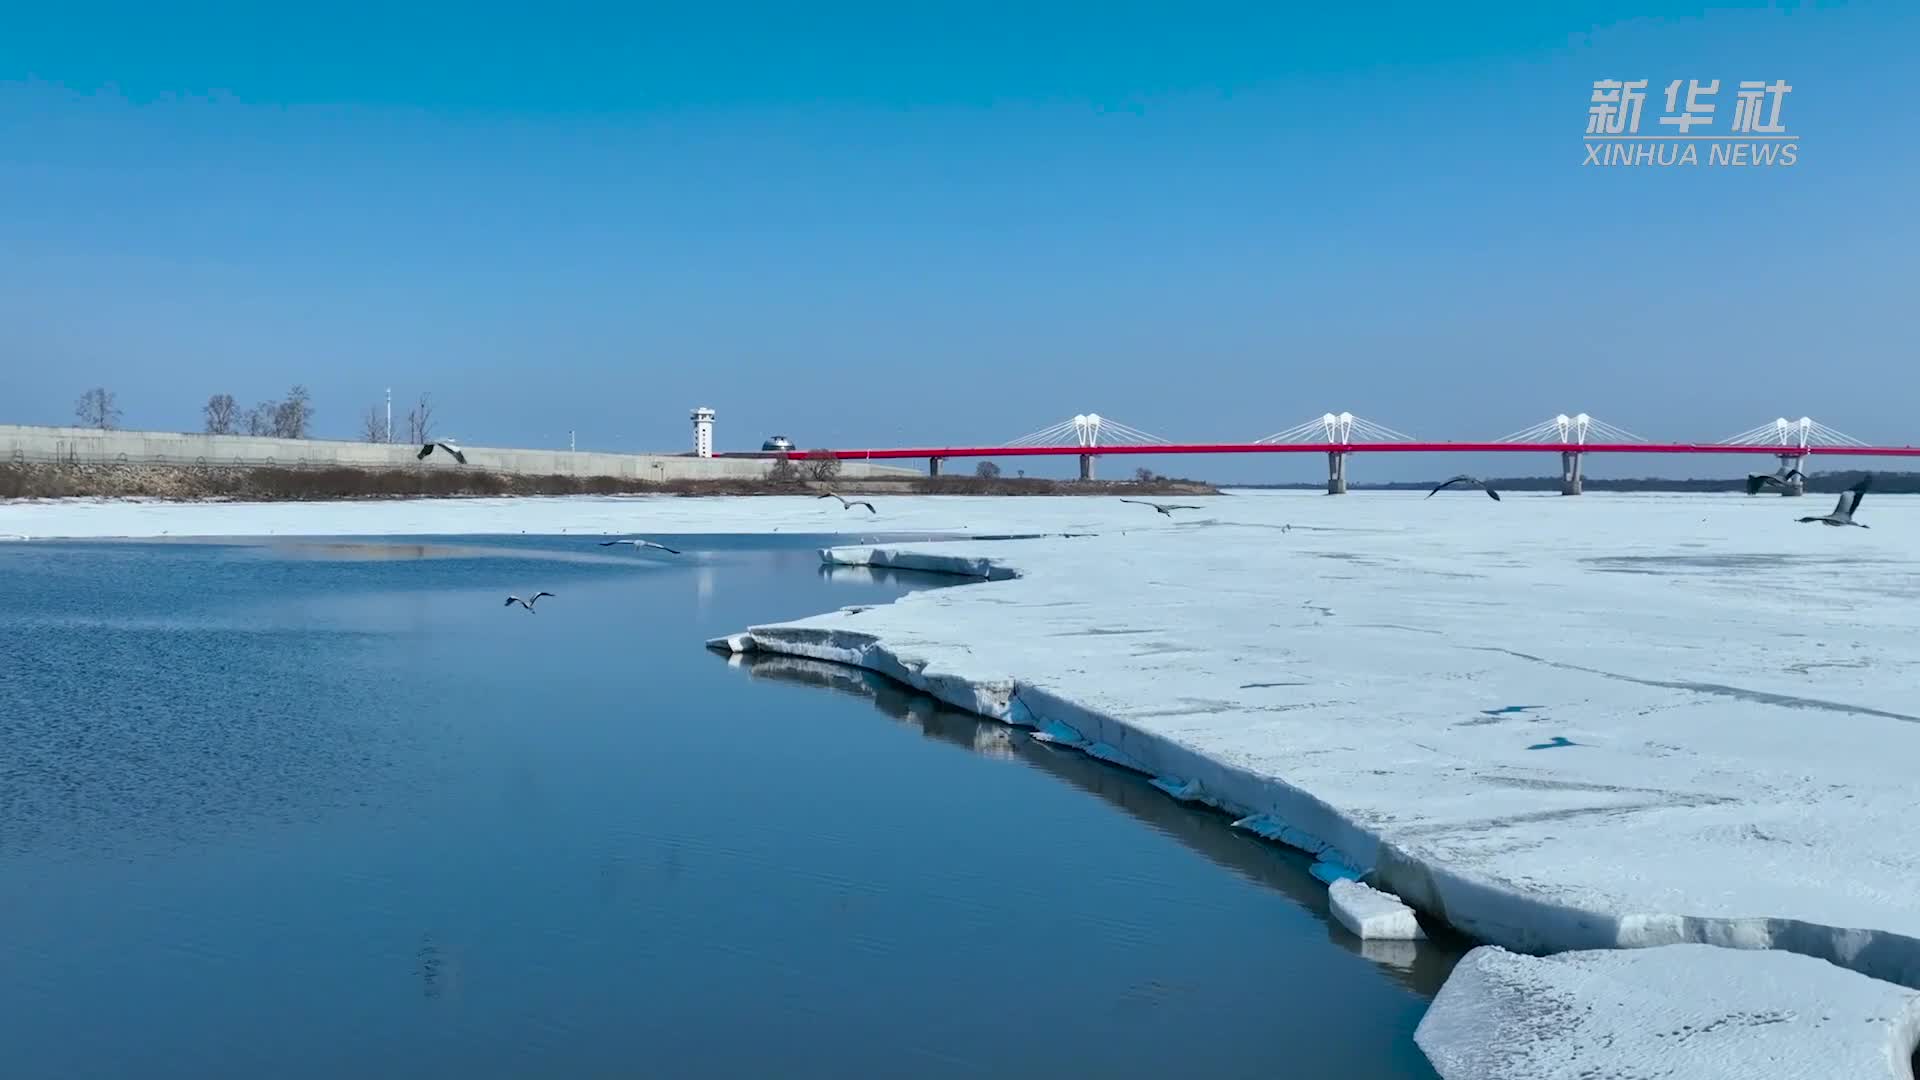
{"points": [[936, 223]]}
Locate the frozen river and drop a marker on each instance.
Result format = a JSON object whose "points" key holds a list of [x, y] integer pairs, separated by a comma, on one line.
{"points": [[1558, 724]]}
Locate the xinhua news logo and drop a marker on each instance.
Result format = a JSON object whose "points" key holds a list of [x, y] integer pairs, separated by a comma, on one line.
{"points": [[1754, 135]]}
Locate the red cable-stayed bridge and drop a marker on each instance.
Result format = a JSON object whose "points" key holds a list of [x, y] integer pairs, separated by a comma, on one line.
{"points": [[1088, 436]]}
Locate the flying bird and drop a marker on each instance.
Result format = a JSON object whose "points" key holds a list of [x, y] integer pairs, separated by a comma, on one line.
{"points": [[1463, 478], [1849, 502], [1756, 481], [447, 446], [527, 603], [641, 544], [848, 504], [1163, 508]]}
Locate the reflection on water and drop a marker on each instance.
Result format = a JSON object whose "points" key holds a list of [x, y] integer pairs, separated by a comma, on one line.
{"points": [[264, 813], [1421, 968]]}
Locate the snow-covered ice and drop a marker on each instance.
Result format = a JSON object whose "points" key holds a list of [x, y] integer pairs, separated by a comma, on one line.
{"points": [[1691, 1011], [1370, 913], [1553, 723]]}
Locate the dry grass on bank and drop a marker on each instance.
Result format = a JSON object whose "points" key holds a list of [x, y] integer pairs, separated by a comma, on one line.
{"points": [[307, 485]]}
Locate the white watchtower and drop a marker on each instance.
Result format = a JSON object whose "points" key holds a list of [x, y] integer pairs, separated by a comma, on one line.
{"points": [[703, 432]]}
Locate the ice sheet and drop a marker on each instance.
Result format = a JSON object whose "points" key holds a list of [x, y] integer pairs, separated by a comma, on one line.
{"points": [[1690, 1011], [1554, 723]]}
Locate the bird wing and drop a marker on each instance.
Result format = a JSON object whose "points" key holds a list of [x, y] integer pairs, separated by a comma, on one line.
{"points": [[1181, 506], [1842, 508], [538, 595], [1491, 494], [664, 548], [1137, 502], [424, 451], [1447, 484], [1791, 473], [864, 503], [1756, 481], [457, 455], [610, 543], [512, 600], [1858, 492]]}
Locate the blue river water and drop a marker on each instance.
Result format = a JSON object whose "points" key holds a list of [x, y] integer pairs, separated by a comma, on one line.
{"points": [[327, 808]]}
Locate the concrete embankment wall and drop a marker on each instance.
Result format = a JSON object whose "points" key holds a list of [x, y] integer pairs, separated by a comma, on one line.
{"points": [[21, 445]]}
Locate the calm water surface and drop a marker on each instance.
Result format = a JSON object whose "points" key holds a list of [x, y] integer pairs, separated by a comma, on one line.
{"points": [[326, 808]]}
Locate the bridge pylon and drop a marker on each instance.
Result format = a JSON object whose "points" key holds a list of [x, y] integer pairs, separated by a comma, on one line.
{"points": [[1087, 430], [1339, 431], [1796, 439], [1571, 432]]}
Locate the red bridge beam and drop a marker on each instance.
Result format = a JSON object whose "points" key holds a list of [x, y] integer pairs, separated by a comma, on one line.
{"points": [[1346, 448]]}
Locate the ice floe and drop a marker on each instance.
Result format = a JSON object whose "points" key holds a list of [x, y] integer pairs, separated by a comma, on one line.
{"points": [[1685, 1011]]}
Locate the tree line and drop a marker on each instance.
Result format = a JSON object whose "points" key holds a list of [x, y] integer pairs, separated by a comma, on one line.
{"points": [[290, 417]]}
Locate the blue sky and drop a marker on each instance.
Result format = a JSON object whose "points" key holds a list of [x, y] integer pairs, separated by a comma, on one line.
{"points": [[951, 224]]}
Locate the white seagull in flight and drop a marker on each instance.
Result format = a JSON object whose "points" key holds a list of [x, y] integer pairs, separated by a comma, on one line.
{"points": [[848, 504], [641, 544], [527, 603], [447, 446]]}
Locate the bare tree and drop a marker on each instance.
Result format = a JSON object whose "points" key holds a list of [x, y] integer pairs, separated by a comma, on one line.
{"points": [[373, 426], [96, 409], [987, 470], [420, 420], [221, 413], [260, 418], [293, 417], [1145, 476], [822, 465], [784, 471]]}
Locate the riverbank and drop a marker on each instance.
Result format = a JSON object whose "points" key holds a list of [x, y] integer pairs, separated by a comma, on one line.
{"points": [[329, 483], [1551, 724]]}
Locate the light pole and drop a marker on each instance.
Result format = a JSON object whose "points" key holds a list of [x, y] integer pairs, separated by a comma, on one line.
{"points": [[389, 414]]}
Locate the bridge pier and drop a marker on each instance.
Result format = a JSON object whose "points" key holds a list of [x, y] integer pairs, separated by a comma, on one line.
{"points": [[1336, 472], [1086, 466], [1569, 472], [1797, 485], [933, 466]]}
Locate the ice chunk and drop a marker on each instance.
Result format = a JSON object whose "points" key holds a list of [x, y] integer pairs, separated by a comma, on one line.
{"points": [[731, 643], [1332, 871], [1370, 913], [1272, 828], [1693, 1011], [1184, 790]]}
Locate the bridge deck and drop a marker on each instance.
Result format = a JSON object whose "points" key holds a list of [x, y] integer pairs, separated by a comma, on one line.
{"points": [[878, 454]]}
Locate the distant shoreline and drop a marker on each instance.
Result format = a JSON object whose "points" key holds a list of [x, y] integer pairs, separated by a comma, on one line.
{"points": [[181, 483]]}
